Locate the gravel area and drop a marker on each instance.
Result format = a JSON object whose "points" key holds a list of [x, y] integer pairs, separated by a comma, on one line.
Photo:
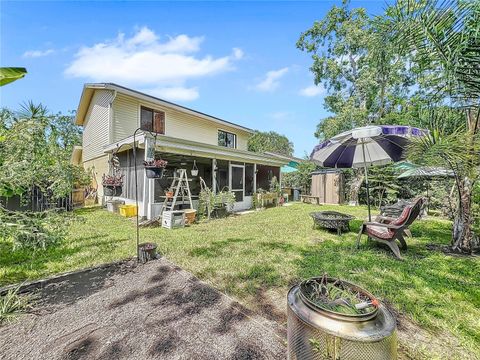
{"points": [[151, 311]]}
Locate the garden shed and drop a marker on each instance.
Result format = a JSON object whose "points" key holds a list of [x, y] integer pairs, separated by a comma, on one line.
{"points": [[328, 186]]}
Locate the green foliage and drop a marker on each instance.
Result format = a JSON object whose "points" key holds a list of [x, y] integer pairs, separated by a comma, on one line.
{"points": [[12, 304], [33, 230], [10, 74], [35, 151], [384, 185], [270, 142], [208, 200], [301, 178]]}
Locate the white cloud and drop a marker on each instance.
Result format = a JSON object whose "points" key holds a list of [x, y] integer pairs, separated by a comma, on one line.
{"points": [[271, 80], [178, 93], [145, 61], [312, 90], [37, 53]]}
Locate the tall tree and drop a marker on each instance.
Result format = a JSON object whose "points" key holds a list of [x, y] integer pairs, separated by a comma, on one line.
{"points": [[270, 141], [35, 150], [366, 79]]}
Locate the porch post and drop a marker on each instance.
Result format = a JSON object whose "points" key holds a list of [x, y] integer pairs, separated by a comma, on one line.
{"points": [[214, 176], [254, 177], [280, 177]]}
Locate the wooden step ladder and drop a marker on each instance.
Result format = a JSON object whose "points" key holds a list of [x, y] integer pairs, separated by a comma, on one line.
{"points": [[181, 188]]}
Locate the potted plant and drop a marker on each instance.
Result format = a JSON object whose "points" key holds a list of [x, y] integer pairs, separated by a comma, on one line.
{"points": [[112, 184], [194, 170], [224, 201], [154, 168]]}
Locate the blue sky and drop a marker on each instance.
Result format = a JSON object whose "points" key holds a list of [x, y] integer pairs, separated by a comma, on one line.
{"points": [[233, 60]]}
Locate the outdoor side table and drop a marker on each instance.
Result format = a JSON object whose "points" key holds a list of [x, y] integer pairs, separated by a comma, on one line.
{"points": [[331, 220]]}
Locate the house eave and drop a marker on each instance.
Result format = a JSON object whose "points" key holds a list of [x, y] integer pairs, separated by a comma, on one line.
{"points": [[175, 145]]}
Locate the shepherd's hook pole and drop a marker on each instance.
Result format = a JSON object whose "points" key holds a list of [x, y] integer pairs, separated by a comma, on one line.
{"points": [[136, 189], [136, 182]]}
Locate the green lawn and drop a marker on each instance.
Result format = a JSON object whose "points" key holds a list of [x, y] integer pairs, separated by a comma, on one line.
{"points": [[256, 257]]}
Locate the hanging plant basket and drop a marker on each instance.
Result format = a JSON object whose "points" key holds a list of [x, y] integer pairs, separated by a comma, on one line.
{"points": [[112, 184], [112, 190], [194, 170], [154, 168], [153, 172]]}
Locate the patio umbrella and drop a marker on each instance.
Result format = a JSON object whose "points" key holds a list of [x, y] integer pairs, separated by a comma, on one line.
{"points": [[424, 172], [363, 147]]}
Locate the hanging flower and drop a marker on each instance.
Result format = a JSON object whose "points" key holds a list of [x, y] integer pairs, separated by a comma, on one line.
{"points": [[157, 163]]}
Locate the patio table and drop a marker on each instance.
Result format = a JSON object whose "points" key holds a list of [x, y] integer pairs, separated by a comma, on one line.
{"points": [[332, 220]]}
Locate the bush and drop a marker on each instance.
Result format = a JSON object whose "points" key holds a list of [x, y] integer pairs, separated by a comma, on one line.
{"points": [[33, 230]]}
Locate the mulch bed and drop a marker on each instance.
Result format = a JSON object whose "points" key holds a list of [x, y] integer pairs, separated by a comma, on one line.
{"points": [[150, 311]]}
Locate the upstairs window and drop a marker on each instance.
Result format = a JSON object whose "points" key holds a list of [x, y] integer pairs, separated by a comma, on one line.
{"points": [[227, 139], [152, 120]]}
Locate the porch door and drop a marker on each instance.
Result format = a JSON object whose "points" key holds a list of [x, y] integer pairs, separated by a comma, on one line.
{"points": [[237, 181]]}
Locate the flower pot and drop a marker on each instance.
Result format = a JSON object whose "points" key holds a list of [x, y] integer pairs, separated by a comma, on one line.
{"points": [[194, 172], [190, 216], [154, 172], [112, 190], [147, 251], [220, 212]]}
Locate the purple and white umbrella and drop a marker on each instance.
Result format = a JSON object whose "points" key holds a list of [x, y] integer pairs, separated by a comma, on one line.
{"points": [[365, 146]]}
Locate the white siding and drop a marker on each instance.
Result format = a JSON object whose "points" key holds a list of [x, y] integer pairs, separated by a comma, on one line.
{"points": [[96, 129], [177, 124], [125, 117]]}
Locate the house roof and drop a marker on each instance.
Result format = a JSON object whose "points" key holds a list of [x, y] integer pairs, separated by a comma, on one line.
{"points": [[89, 89], [193, 148]]}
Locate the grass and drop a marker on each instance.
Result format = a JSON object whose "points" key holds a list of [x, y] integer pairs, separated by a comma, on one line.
{"points": [[12, 304], [257, 257]]}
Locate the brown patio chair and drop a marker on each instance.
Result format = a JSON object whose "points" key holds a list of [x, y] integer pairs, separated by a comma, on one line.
{"points": [[387, 232], [388, 219]]}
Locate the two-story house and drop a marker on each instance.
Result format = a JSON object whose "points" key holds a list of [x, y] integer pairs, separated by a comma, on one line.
{"points": [[110, 114]]}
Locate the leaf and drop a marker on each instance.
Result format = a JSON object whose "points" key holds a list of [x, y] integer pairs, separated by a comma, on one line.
{"points": [[10, 74]]}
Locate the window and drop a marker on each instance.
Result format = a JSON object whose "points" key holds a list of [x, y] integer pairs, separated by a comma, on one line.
{"points": [[227, 139], [152, 120]]}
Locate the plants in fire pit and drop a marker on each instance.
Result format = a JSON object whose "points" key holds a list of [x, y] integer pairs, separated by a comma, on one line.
{"points": [[338, 296]]}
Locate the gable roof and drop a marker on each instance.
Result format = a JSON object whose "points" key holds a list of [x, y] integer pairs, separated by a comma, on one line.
{"points": [[89, 89]]}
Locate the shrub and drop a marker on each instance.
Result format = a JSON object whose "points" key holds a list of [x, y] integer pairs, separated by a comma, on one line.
{"points": [[33, 230]]}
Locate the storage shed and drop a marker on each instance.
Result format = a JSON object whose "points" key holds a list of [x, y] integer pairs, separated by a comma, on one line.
{"points": [[328, 186]]}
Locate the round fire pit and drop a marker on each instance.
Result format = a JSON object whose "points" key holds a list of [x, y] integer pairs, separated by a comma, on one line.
{"points": [[332, 220], [319, 332]]}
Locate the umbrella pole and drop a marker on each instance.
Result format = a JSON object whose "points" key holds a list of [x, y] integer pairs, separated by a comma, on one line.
{"points": [[366, 181]]}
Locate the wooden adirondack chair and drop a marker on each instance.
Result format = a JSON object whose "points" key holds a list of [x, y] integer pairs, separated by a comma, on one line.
{"points": [[388, 231]]}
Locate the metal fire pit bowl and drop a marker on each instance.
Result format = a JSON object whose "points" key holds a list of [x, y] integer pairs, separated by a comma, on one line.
{"points": [[346, 317], [314, 333]]}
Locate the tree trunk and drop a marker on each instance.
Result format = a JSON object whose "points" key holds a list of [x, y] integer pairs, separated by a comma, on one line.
{"points": [[355, 185], [464, 239]]}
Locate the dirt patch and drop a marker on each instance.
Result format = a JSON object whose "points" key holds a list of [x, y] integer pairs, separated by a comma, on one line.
{"points": [[147, 312]]}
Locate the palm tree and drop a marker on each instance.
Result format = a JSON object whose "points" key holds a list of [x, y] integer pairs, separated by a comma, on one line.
{"points": [[10, 74], [443, 40]]}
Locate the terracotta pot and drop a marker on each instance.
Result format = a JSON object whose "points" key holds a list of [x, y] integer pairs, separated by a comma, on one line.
{"points": [[190, 216]]}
